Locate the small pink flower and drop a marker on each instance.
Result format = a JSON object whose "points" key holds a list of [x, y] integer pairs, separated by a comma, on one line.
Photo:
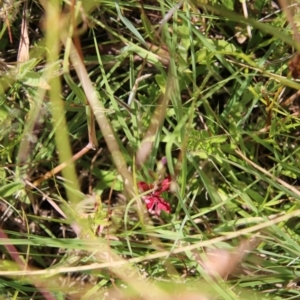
{"points": [[154, 202], [165, 184]]}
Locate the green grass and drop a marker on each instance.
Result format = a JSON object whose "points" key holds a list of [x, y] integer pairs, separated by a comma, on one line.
{"points": [[155, 81]]}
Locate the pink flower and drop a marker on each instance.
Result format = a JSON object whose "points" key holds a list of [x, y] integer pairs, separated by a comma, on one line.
{"points": [[154, 202]]}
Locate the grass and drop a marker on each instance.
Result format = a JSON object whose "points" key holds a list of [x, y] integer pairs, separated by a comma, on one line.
{"points": [[108, 95]]}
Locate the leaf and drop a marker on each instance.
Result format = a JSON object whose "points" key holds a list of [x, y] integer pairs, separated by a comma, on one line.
{"points": [[25, 67], [185, 41], [147, 25], [161, 82], [229, 4], [128, 24], [2, 174], [3, 114], [10, 189], [35, 79], [217, 139], [108, 179], [220, 46], [145, 54]]}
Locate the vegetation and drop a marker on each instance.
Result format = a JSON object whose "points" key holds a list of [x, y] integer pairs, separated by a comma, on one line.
{"points": [[149, 149]]}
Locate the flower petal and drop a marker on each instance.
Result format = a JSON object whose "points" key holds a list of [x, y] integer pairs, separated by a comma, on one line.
{"points": [[156, 204], [164, 186], [150, 203], [143, 186], [162, 205]]}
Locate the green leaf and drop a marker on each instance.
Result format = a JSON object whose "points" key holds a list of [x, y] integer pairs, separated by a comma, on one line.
{"points": [[220, 46], [10, 189], [35, 79], [229, 4], [25, 67], [160, 79], [147, 25], [128, 24], [150, 56]]}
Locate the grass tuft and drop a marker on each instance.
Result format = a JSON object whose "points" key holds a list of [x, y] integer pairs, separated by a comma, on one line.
{"points": [[149, 150]]}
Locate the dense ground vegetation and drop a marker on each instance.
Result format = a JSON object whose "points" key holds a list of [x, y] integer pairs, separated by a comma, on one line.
{"points": [[149, 149]]}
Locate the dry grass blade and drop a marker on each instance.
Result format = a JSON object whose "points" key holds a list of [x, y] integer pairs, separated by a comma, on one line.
{"points": [[221, 263], [102, 120], [20, 263], [161, 254], [290, 19], [294, 64], [155, 125], [60, 167], [262, 170], [23, 53], [123, 295]]}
